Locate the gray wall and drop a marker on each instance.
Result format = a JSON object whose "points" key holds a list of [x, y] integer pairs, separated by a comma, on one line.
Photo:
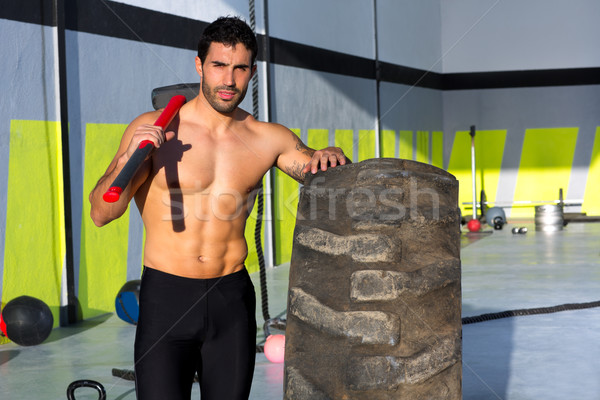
{"points": [[504, 35]]}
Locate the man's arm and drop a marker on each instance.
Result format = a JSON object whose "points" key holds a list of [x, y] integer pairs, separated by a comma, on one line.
{"points": [[140, 129], [297, 159]]}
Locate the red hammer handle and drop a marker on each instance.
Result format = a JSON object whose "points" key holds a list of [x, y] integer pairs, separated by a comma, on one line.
{"points": [[144, 148]]}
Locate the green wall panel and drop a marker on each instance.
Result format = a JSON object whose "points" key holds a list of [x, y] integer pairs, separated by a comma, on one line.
{"points": [[388, 143], [252, 258], [366, 144], [489, 150], [317, 138], [103, 260], [545, 167], [437, 149], [591, 200], [344, 138], [285, 206], [405, 145], [34, 248], [422, 147]]}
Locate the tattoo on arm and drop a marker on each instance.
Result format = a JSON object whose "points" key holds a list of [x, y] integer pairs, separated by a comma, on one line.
{"points": [[295, 171], [302, 148]]}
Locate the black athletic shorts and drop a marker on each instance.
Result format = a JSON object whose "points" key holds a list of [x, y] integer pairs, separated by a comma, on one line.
{"points": [[188, 325]]}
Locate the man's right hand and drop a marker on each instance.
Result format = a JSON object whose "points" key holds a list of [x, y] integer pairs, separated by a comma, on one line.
{"points": [[139, 130], [150, 132]]}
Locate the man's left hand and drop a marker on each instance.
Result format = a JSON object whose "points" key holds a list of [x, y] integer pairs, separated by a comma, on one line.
{"points": [[331, 156]]}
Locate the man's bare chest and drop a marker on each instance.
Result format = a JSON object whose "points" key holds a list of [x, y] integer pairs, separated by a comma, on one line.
{"points": [[196, 165]]}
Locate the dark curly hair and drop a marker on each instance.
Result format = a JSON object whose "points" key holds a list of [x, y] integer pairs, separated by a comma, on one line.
{"points": [[228, 31]]}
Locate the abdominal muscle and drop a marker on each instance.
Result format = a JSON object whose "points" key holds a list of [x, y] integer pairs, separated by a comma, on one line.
{"points": [[210, 243]]}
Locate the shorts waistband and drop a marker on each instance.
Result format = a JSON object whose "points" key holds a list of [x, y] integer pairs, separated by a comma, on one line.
{"points": [[235, 276]]}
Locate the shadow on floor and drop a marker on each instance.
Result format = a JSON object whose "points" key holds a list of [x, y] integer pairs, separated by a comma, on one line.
{"points": [[484, 341], [66, 331], [6, 356]]}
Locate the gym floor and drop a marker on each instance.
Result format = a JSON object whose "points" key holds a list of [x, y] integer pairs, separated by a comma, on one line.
{"points": [[542, 356]]}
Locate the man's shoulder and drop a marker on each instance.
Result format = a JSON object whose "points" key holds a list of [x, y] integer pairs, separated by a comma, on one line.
{"points": [[145, 118], [271, 129], [274, 133], [148, 117]]}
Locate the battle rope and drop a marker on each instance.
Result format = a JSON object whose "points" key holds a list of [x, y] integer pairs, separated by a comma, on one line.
{"points": [[259, 253], [529, 311]]}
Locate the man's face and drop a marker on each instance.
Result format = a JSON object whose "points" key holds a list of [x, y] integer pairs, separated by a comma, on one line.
{"points": [[225, 74]]}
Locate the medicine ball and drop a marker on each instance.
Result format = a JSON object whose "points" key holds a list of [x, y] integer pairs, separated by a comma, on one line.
{"points": [[3, 338], [28, 320], [127, 302]]}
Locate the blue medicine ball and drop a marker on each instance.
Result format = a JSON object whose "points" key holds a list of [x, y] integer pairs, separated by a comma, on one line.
{"points": [[127, 302]]}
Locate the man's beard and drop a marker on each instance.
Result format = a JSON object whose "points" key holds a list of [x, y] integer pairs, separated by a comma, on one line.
{"points": [[219, 104]]}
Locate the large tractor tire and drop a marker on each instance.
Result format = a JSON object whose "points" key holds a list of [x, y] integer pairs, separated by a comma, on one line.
{"points": [[374, 303]]}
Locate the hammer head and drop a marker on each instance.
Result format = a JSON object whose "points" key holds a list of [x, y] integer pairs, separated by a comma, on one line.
{"points": [[162, 95]]}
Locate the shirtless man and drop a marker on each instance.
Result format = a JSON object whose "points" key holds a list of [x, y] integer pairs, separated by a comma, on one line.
{"points": [[197, 303]]}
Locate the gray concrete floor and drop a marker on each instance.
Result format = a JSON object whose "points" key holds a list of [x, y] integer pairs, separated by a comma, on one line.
{"points": [[549, 356]]}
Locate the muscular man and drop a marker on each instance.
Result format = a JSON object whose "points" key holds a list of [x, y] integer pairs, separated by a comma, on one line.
{"points": [[197, 303]]}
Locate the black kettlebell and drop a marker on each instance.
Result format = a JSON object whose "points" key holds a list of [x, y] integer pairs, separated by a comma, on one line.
{"points": [[86, 383]]}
